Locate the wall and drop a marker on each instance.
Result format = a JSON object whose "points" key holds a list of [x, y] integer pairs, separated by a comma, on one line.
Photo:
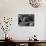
{"points": [[11, 8]]}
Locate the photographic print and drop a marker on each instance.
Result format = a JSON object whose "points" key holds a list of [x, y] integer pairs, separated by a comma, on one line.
{"points": [[26, 19]]}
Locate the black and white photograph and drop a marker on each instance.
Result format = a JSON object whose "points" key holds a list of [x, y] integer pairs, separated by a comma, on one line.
{"points": [[26, 19]]}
